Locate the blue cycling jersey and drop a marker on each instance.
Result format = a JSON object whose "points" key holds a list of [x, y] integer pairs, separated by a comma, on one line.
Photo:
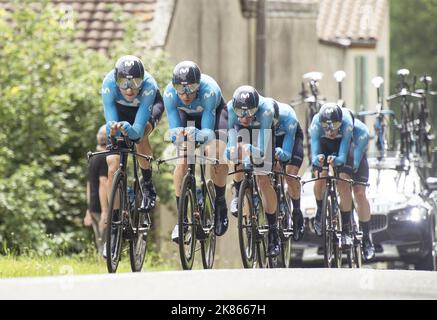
{"points": [[262, 120], [360, 140], [344, 133], [205, 104], [287, 127], [143, 103]]}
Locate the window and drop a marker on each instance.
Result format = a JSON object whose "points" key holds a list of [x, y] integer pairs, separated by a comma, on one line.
{"points": [[361, 83]]}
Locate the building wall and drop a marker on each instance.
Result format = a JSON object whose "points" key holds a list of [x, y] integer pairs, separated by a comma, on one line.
{"points": [[217, 37]]}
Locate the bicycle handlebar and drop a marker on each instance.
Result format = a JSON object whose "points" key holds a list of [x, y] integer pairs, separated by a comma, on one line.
{"points": [[161, 161], [119, 151], [334, 177], [404, 94], [298, 178]]}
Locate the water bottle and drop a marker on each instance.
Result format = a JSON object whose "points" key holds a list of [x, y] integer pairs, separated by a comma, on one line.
{"points": [[282, 207], [256, 201], [199, 195], [131, 197]]}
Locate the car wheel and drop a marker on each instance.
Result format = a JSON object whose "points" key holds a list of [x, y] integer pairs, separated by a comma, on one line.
{"points": [[429, 261]]}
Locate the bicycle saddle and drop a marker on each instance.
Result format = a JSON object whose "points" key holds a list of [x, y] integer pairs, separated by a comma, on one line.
{"points": [[426, 79], [403, 72], [377, 82], [313, 76], [339, 75]]}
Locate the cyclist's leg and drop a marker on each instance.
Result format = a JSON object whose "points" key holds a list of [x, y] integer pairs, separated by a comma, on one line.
{"points": [[143, 145], [270, 206], [113, 162], [294, 187], [362, 203], [244, 135], [293, 168], [327, 147], [345, 195], [220, 171], [363, 208]]}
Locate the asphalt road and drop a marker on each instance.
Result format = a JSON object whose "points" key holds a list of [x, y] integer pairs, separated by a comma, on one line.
{"points": [[269, 284]]}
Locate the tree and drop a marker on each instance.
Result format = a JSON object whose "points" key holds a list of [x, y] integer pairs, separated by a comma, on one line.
{"points": [[49, 113], [414, 40]]}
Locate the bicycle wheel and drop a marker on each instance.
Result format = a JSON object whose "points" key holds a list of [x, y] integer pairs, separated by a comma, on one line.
{"points": [[186, 224], [358, 254], [117, 209], [246, 227], [261, 260], [140, 226], [207, 246], [329, 250], [285, 234], [261, 227]]}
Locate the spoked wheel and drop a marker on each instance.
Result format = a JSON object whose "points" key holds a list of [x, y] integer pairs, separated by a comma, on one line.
{"points": [[350, 257], [285, 234], [140, 226], [358, 254], [261, 259], [208, 245], [332, 254], [186, 225], [246, 226], [118, 206]]}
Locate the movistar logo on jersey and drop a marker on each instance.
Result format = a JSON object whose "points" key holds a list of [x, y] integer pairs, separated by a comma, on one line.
{"points": [[168, 94], [148, 93], [362, 137], [292, 126], [209, 94], [128, 63], [244, 95], [184, 70], [106, 90]]}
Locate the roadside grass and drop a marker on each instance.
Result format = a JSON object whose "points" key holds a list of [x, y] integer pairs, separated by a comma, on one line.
{"points": [[78, 264]]}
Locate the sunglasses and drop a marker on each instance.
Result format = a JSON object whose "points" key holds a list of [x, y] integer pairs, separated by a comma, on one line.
{"points": [[331, 126], [133, 83], [245, 113], [186, 88]]}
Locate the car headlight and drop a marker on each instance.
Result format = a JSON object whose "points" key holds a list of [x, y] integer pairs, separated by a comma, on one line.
{"points": [[415, 214]]}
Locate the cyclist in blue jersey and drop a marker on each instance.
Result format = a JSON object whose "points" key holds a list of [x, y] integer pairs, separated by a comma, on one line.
{"points": [[331, 136], [251, 118], [289, 150], [132, 106], [196, 111], [361, 174]]}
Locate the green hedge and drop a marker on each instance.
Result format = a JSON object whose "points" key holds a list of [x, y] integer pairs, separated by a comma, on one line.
{"points": [[50, 110]]}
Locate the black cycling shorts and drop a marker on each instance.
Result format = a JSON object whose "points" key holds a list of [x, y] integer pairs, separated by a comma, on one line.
{"points": [[362, 175], [330, 147], [221, 119], [297, 154]]}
